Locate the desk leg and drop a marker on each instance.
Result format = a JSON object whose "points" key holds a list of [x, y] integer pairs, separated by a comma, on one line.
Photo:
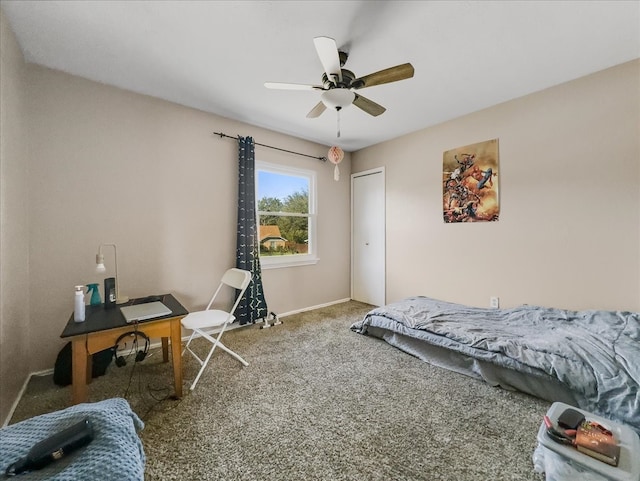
{"points": [[165, 349], [176, 355], [89, 376], [80, 371]]}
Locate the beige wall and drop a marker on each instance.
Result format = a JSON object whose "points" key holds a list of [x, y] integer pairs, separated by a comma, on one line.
{"points": [[111, 166], [14, 254], [569, 229]]}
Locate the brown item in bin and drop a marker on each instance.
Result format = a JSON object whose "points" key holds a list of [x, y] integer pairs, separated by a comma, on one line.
{"points": [[598, 442]]}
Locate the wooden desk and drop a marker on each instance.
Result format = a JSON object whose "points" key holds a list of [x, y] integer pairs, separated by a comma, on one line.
{"points": [[102, 328]]}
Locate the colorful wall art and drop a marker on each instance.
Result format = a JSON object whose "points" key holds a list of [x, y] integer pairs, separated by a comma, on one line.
{"points": [[470, 183]]}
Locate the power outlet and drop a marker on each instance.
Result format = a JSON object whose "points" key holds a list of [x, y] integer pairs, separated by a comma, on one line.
{"points": [[494, 302]]}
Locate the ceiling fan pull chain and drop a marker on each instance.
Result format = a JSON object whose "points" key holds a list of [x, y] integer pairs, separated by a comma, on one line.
{"points": [[338, 122]]}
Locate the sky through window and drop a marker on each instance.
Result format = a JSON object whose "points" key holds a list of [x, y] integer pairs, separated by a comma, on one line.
{"points": [[280, 186]]}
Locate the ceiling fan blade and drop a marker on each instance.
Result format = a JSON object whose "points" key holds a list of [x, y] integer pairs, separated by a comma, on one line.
{"points": [[288, 86], [392, 74], [369, 106], [329, 57], [317, 110]]}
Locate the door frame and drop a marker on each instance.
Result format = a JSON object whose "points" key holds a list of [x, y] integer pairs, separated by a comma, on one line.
{"points": [[376, 170]]}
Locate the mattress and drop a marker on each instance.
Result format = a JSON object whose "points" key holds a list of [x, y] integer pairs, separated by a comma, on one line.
{"points": [[588, 359]]}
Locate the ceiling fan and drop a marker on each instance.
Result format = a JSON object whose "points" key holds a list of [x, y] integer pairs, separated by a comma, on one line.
{"points": [[339, 85]]}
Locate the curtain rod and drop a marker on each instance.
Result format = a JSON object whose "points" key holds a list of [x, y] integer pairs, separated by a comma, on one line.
{"points": [[322, 158]]}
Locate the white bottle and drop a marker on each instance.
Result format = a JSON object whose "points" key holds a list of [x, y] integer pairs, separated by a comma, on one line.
{"points": [[78, 312]]}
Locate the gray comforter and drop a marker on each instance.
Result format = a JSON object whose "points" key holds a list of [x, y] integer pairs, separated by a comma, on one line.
{"points": [[595, 353]]}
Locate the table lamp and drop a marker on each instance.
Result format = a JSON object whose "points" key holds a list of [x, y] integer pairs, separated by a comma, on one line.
{"points": [[101, 268]]}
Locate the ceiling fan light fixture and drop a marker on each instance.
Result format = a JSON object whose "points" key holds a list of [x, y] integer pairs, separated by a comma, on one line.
{"points": [[338, 98]]}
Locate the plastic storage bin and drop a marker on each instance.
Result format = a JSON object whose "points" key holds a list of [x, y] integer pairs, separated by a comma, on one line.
{"points": [[560, 462]]}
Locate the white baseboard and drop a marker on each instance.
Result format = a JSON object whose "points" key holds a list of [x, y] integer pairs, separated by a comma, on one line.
{"points": [[21, 392], [155, 345], [326, 304], [285, 314]]}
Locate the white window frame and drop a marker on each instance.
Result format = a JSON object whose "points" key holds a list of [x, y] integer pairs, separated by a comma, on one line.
{"points": [[274, 262]]}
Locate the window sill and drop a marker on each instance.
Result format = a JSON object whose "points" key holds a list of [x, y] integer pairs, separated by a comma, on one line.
{"points": [[271, 263]]}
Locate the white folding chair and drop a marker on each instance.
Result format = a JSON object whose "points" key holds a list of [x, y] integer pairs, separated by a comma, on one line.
{"points": [[201, 321]]}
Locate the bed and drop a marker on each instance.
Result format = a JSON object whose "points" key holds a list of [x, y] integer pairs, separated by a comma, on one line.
{"points": [[588, 359], [115, 452]]}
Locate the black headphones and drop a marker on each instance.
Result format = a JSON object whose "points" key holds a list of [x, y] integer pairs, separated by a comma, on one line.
{"points": [[140, 355]]}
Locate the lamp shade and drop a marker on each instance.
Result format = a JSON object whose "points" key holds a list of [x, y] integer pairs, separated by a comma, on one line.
{"points": [[100, 263], [337, 98]]}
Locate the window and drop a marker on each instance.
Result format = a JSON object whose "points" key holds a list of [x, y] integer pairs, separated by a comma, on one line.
{"points": [[286, 215]]}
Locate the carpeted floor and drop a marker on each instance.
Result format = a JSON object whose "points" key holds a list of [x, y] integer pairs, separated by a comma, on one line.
{"points": [[317, 402]]}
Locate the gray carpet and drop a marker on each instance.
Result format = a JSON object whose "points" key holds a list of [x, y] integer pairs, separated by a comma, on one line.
{"points": [[317, 402]]}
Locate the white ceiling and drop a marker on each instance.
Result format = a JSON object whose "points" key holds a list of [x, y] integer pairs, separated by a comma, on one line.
{"points": [[216, 55]]}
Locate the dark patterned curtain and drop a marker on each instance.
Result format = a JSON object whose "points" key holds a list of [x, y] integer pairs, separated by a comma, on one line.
{"points": [[253, 305]]}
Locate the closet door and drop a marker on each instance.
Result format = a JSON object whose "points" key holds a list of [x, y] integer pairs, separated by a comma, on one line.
{"points": [[368, 236]]}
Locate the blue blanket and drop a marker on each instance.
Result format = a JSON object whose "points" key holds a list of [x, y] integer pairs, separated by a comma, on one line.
{"points": [[114, 453], [595, 353]]}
